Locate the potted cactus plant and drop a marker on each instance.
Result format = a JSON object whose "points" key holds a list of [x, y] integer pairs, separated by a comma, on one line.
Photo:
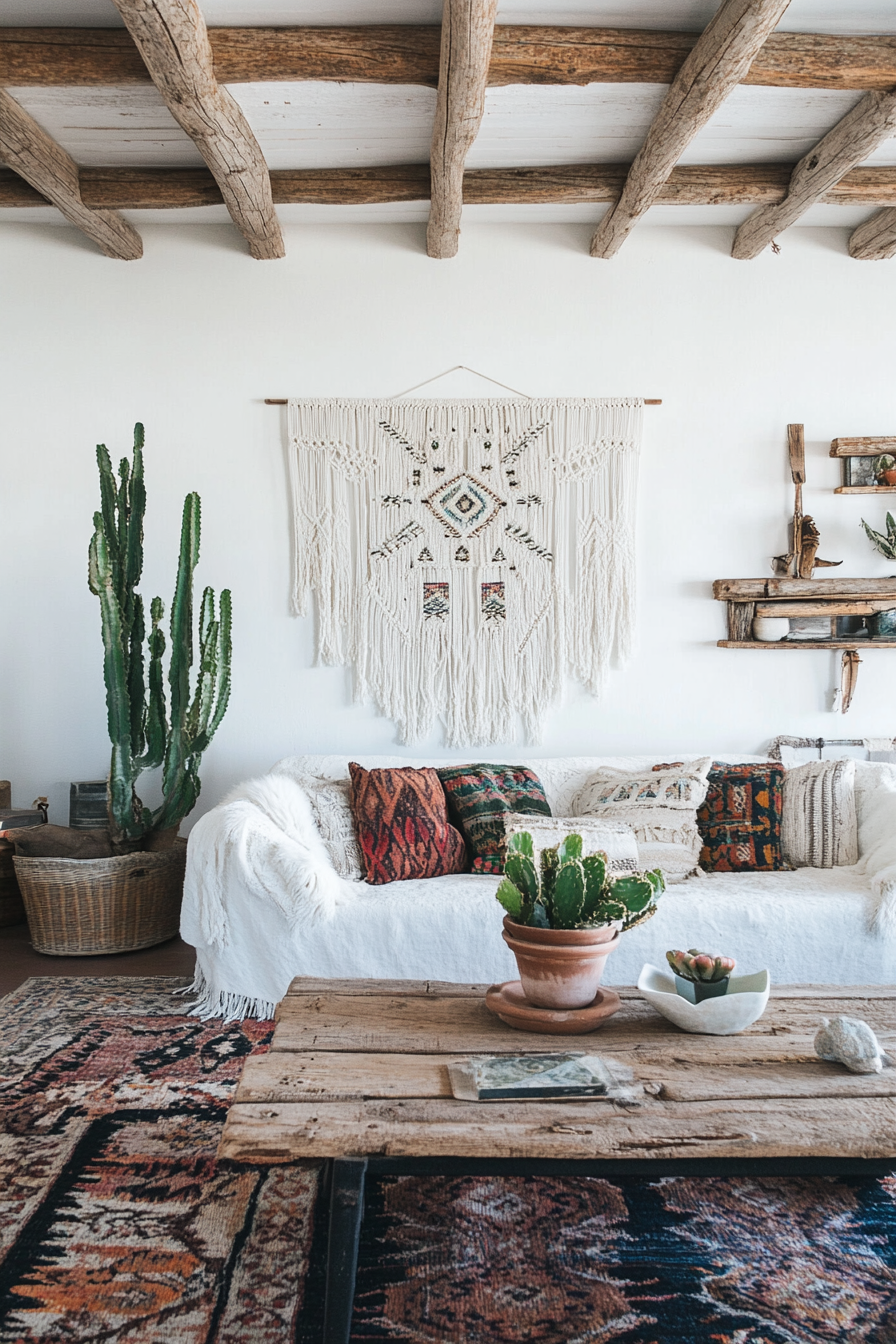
{"points": [[700, 975], [565, 916], [132, 898]]}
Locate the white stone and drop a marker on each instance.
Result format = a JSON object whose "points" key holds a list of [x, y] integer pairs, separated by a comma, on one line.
{"points": [[849, 1041]]}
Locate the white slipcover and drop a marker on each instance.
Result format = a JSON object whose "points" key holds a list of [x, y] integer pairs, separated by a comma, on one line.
{"points": [[806, 926]]}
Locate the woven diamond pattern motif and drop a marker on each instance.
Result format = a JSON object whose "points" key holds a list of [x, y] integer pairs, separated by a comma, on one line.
{"points": [[465, 505]]}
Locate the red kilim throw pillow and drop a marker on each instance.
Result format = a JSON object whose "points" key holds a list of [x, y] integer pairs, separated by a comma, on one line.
{"points": [[740, 821], [402, 821]]}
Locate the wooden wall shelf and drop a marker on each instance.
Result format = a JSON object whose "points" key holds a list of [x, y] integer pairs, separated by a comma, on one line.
{"points": [[865, 490], [808, 598], [856, 644], [847, 450]]}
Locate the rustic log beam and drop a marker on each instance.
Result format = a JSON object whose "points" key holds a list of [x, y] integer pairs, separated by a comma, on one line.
{"points": [[177, 188], [467, 29], [172, 38], [875, 240], [409, 54], [46, 167], [719, 61], [850, 142]]}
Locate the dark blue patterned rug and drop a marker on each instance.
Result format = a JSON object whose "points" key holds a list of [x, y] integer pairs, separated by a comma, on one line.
{"points": [[674, 1260]]}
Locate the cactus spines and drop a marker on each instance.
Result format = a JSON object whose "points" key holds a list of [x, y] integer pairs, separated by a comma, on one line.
{"points": [[700, 967], [567, 890], [144, 734]]}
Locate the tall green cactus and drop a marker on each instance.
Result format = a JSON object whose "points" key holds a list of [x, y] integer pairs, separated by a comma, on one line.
{"points": [[144, 734]]}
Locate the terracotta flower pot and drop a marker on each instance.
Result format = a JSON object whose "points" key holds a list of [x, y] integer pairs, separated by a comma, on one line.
{"points": [[560, 968], [887, 477]]}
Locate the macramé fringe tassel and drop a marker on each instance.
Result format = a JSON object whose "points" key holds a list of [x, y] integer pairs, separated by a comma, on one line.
{"points": [[467, 555]]}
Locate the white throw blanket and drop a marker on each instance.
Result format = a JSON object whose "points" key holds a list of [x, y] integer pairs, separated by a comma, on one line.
{"points": [[876, 811], [263, 837]]}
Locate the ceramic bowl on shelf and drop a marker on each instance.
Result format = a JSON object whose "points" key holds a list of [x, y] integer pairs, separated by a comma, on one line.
{"points": [[744, 1003], [770, 629]]}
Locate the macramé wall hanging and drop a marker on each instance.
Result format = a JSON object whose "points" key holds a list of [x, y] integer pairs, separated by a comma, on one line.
{"points": [[467, 555]]}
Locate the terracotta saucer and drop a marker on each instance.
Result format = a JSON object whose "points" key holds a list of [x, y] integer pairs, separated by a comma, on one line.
{"points": [[508, 1002]]}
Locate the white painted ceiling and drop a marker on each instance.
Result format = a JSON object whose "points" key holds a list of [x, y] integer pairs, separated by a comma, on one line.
{"points": [[809, 16], [329, 125]]}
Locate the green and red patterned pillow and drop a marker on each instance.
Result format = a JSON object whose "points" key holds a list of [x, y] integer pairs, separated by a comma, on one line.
{"points": [[740, 821], [479, 797], [402, 825]]}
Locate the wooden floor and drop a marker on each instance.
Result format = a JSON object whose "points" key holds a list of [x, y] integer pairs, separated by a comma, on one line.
{"points": [[19, 961]]}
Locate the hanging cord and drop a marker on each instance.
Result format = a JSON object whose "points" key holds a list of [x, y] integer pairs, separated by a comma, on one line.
{"points": [[455, 368]]}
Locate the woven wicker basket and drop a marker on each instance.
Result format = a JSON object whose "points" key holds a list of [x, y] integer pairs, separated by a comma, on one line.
{"points": [[92, 907]]}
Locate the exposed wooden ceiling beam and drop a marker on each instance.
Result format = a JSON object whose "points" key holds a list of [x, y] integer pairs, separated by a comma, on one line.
{"points": [[467, 29], [875, 240], [45, 166], [850, 142], [409, 54], [172, 39], [717, 64], [176, 188]]}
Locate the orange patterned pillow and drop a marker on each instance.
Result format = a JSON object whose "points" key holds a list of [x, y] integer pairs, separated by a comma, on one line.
{"points": [[402, 821]]}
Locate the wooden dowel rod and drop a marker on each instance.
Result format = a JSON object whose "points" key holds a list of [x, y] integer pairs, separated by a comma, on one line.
{"points": [[284, 401]]}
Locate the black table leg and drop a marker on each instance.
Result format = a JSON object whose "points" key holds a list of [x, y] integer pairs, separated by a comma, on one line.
{"points": [[346, 1212]]}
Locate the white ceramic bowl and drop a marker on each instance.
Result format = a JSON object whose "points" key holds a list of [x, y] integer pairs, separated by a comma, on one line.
{"points": [[743, 1004]]}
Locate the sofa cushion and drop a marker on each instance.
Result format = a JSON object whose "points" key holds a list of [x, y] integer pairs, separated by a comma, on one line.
{"points": [[740, 819], [401, 818], [819, 817], [661, 807], [331, 803], [613, 838], [480, 796]]}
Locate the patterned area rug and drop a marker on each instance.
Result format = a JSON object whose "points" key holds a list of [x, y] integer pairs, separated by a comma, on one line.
{"points": [[731, 1260], [116, 1223]]}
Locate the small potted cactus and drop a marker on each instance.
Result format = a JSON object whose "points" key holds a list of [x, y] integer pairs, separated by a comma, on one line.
{"points": [[700, 975], [565, 915]]}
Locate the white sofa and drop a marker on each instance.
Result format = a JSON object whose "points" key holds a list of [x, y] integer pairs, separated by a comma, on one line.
{"points": [[257, 919]]}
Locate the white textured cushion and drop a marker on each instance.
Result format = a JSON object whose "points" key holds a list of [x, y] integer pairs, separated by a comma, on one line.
{"points": [[616, 839], [660, 806], [330, 801], [818, 826], [876, 814]]}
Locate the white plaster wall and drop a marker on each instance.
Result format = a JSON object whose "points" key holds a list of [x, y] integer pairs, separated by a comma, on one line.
{"points": [[194, 336]]}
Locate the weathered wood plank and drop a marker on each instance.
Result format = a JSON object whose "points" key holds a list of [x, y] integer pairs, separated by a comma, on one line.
{"points": [[466, 44], [853, 139], [306, 984], [176, 188], [845, 607], [409, 54], [278, 1077], [718, 63], [862, 1127], [860, 643], [747, 590], [875, 240], [16, 192], [172, 38], [35, 156], [866, 446], [453, 1025]]}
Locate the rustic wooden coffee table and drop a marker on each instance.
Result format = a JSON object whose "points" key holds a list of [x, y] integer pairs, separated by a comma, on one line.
{"points": [[357, 1075]]}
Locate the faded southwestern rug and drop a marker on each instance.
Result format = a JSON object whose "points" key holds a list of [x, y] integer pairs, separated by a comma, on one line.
{"points": [[116, 1223]]}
